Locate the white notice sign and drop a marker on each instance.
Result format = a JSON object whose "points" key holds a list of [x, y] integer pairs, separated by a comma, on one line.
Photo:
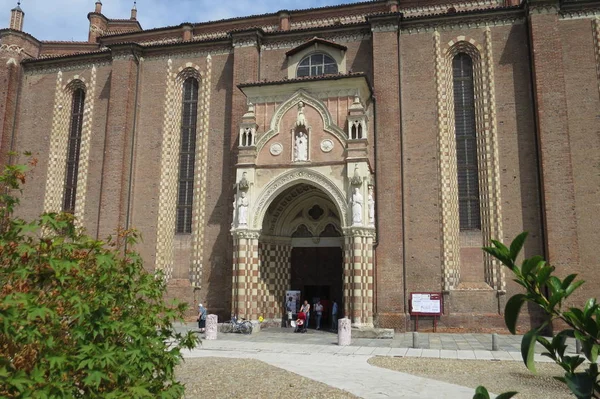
{"points": [[430, 303]]}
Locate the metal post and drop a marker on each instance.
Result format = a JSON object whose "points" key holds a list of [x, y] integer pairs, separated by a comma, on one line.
{"points": [[495, 342], [577, 346], [415, 336]]}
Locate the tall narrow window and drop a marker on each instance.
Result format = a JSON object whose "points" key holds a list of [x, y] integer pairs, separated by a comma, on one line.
{"points": [[466, 143], [73, 151], [187, 156]]}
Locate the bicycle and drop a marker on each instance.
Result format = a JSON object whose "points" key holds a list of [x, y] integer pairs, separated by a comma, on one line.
{"points": [[235, 326]]}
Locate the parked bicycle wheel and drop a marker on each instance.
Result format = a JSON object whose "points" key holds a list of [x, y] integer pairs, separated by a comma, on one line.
{"points": [[246, 327]]}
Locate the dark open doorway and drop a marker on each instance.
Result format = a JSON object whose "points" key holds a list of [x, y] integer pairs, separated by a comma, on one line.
{"points": [[317, 273]]}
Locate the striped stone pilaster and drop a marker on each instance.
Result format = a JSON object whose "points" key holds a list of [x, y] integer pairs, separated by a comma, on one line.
{"points": [[596, 24], [358, 276], [200, 189], [246, 266], [347, 277], [493, 221], [167, 196], [58, 148], [447, 168], [84, 151]]}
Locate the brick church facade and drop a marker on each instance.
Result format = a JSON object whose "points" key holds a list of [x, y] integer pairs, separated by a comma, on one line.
{"points": [[359, 152]]}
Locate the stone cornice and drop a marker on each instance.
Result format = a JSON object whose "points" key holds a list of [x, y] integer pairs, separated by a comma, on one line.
{"points": [[247, 38], [77, 61], [580, 9], [471, 19], [385, 22]]}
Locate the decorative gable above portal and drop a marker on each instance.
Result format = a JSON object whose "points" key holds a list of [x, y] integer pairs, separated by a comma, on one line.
{"points": [[299, 122]]}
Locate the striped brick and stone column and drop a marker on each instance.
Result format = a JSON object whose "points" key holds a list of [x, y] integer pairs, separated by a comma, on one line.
{"points": [[245, 284]]}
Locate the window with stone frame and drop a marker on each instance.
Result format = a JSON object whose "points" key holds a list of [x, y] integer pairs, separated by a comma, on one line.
{"points": [[466, 143], [73, 150], [187, 156], [317, 64]]}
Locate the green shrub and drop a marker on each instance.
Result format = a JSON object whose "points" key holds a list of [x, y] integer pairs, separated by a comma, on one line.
{"points": [[80, 318], [535, 275]]}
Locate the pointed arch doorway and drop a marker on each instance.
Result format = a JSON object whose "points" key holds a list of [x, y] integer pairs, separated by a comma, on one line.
{"points": [[301, 216], [302, 224]]}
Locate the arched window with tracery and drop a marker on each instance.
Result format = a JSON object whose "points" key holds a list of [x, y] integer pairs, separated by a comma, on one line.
{"points": [[187, 156], [466, 142], [73, 150], [317, 64]]}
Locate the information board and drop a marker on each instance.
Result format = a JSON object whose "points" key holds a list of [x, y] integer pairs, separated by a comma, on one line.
{"points": [[426, 303]]}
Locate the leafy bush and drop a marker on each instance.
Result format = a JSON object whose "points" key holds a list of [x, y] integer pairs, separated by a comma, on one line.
{"points": [[80, 318], [583, 323]]}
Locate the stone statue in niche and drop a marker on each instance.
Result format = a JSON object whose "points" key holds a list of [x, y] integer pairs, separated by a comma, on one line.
{"points": [[357, 203], [244, 184], [243, 204], [371, 202], [301, 147], [301, 119]]}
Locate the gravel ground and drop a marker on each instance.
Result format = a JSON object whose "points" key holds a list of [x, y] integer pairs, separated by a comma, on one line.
{"points": [[496, 376], [247, 378]]}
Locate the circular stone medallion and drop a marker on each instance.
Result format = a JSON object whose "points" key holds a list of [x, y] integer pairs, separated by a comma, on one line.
{"points": [[326, 145], [276, 149]]}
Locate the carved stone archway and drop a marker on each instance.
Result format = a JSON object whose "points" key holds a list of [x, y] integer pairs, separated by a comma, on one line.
{"points": [[261, 257]]}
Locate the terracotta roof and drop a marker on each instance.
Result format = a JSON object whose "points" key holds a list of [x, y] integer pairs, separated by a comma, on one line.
{"points": [[59, 57], [313, 41], [273, 14]]}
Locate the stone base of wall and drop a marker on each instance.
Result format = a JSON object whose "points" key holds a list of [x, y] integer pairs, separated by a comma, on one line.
{"points": [[472, 301], [397, 321], [182, 290]]}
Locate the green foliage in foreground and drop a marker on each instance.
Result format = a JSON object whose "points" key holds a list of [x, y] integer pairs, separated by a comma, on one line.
{"points": [[80, 318], [583, 323]]}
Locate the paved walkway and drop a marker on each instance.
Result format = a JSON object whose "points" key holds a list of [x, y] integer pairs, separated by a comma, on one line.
{"points": [[317, 356]]}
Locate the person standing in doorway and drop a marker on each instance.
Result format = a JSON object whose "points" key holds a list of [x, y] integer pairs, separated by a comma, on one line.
{"points": [[334, 314], [289, 308], [319, 310], [306, 309], [201, 318]]}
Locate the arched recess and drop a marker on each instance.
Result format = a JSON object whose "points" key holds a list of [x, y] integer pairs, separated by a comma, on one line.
{"points": [[301, 95], [487, 158], [59, 137], [292, 178], [169, 166], [301, 204]]}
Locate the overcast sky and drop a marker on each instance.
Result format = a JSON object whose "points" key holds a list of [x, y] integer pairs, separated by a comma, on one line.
{"points": [[67, 19]]}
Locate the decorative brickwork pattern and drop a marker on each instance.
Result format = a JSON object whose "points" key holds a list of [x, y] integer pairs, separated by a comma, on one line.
{"points": [[84, 151], [168, 174], [245, 283], [448, 175], [487, 150], [597, 44], [200, 188], [59, 137], [274, 277], [358, 276], [169, 171]]}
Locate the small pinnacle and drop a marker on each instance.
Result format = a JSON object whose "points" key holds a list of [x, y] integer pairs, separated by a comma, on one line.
{"points": [[135, 5]]}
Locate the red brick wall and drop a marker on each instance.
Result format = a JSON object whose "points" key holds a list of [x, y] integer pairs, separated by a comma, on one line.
{"points": [[389, 279]]}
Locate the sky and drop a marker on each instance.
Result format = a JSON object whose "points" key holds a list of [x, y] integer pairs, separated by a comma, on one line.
{"points": [[67, 19]]}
